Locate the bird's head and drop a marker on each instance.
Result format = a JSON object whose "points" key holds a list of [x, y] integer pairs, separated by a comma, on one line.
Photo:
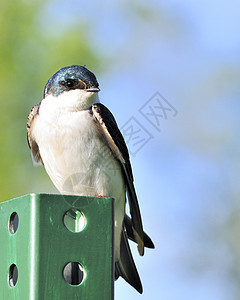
{"points": [[73, 87]]}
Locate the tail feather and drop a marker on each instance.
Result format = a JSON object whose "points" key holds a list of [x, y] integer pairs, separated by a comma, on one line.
{"points": [[126, 267]]}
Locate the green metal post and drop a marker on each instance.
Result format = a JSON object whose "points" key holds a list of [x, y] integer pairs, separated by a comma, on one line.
{"points": [[57, 247]]}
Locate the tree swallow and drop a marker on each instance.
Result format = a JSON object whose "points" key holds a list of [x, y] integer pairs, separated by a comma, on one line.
{"points": [[78, 141]]}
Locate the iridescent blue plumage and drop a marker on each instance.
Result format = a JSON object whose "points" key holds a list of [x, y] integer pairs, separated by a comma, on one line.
{"points": [[67, 78]]}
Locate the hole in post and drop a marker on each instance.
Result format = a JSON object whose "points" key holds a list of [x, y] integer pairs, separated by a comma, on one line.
{"points": [[13, 222], [74, 220], [73, 273], [13, 275]]}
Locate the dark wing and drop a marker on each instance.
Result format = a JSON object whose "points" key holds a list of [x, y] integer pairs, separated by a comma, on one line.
{"points": [[31, 142], [118, 146], [128, 226]]}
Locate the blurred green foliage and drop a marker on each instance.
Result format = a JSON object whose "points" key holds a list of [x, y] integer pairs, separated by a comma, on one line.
{"points": [[30, 52]]}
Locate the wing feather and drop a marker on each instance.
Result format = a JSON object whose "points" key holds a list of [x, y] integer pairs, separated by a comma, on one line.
{"points": [[31, 142], [118, 146]]}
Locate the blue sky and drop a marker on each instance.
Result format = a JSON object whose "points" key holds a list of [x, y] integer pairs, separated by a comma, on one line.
{"points": [[185, 175]]}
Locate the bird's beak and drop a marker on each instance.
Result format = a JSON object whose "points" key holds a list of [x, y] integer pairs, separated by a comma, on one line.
{"points": [[93, 89]]}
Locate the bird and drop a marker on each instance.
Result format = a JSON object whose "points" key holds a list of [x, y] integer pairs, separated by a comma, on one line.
{"points": [[78, 141]]}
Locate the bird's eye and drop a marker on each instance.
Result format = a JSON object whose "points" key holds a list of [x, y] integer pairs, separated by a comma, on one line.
{"points": [[69, 83]]}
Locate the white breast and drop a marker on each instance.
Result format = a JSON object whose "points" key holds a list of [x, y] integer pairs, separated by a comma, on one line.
{"points": [[78, 160]]}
